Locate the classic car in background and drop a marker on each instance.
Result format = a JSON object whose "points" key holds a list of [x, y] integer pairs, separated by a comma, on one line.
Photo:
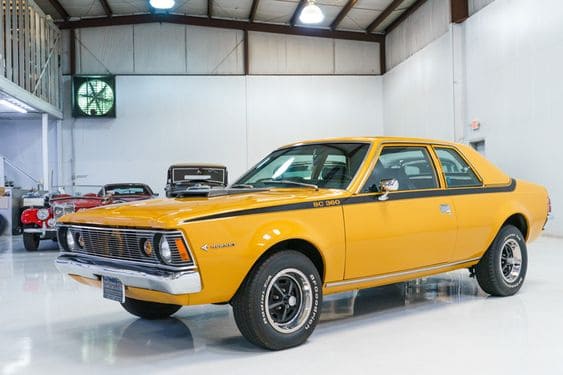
{"points": [[193, 178], [39, 222], [312, 218]]}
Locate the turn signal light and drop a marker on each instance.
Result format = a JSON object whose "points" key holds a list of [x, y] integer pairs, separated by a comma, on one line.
{"points": [[182, 250]]}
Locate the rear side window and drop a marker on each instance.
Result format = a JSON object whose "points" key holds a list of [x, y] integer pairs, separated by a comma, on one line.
{"points": [[456, 171], [410, 166]]}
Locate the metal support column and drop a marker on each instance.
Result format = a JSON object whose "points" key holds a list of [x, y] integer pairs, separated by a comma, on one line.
{"points": [[2, 172], [45, 149], [59, 153]]}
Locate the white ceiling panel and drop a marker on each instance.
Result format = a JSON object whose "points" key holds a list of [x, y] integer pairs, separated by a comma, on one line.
{"points": [[128, 6], [358, 18], [191, 7], [83, 8], [233, 9], [276, 11]]}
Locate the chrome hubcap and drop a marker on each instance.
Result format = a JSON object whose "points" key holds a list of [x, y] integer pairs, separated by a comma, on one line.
{"points": [[511, 260], [289, 300]]}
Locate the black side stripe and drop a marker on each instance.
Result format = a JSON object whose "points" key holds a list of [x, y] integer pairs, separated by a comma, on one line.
{"points": [[434, 193], [369, 198]]}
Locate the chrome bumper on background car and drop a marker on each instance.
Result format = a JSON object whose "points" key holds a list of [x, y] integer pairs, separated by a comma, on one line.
{"points": [[134, 275], [40, 230]]}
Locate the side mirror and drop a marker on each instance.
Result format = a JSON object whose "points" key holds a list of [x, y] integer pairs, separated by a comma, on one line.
{"points": [[387, 186]]}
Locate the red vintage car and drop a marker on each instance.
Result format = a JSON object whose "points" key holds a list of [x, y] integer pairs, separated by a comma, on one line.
{"points": [[39, 223]]}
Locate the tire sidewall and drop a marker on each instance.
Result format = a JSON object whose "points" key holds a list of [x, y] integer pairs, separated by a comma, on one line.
{"points": [[506, 234], [278, 263]]}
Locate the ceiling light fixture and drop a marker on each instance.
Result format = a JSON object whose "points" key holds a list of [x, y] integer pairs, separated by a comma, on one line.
{"points": [[311, 13], [13, 106], [162, 4]]}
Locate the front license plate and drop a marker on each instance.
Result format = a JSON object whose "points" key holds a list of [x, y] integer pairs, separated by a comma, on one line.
{"points": [[113, 289]]}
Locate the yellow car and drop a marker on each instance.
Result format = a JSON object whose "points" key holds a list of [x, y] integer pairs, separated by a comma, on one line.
{"points": [[311, 219]]}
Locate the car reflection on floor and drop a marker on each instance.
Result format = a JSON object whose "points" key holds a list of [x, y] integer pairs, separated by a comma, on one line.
{"points": [[55, 324]]}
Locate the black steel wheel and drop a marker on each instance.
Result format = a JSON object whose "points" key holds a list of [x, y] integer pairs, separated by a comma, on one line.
{"points": [[502, 270], [278, 305], [3, 224], [31, 241], [149, 310]]}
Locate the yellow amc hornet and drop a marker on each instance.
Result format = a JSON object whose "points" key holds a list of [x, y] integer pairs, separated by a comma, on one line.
{"points": [[311, 219]]}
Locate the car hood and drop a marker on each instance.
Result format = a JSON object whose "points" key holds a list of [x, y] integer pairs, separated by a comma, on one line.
{"points": [[172, 212], [78, 202]]}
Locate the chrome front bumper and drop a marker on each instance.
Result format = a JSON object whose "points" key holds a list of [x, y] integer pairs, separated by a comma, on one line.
{"points": [[134, 275]]}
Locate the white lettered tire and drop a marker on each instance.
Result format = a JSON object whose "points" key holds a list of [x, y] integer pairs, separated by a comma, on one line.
{"points": [[502, 270], [279, 304]]}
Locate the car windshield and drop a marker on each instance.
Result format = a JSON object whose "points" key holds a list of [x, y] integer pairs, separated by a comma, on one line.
{"points": [[324, 165], [126, 190], [63, 191]]}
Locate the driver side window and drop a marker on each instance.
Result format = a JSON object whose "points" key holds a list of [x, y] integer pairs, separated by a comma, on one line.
{"points": [[410, 166]]}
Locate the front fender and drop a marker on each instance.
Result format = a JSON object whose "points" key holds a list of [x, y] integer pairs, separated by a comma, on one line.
{"points": [[226, 249]]}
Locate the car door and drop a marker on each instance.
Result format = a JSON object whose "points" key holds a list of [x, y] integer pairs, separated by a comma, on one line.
{"points": [[414, 228], [476, 225]]}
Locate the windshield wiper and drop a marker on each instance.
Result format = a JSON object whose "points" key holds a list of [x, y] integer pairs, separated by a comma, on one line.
{"points": [[289, 182], [244, 186]]}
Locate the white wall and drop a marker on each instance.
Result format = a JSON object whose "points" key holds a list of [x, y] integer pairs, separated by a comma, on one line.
{"points": [[514, 81], [232, 120], [417, 94], [509, 78], [20, 143], [163, 48], [425, 25]]}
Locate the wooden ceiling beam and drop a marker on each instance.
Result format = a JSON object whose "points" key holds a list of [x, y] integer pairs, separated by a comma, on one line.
{"points": [[459, 10], [60, 9], [106, 7], [253, 10], [343, 13], [219, 23], [383, 15]]}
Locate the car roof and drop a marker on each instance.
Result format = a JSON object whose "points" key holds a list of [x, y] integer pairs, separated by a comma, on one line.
{"points": [[196, 165], [371, 139], [128, 184]]}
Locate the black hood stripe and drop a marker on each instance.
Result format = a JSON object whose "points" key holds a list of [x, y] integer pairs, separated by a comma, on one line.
{"points": [[367, 198]]}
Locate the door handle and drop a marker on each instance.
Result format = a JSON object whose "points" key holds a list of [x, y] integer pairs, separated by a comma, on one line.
{"points": [[445, 209]]}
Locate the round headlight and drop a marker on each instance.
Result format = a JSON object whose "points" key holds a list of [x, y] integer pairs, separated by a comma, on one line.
{"points": [[43, 214], [70, 240], [146, 245], [52, 222], [164, 249]]}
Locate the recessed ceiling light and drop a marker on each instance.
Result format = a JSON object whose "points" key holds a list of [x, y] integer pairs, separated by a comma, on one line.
{"points": [[162, 4], [311, 13], [13, 106]]}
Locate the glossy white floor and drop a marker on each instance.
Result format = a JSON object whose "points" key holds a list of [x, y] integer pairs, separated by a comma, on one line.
{"points": [[438, 325]]}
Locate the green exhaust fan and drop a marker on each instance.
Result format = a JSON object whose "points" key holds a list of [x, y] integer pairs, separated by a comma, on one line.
{"points": [[93, 96]]}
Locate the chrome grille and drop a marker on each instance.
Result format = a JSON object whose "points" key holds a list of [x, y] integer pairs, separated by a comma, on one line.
{"points": [[126, 244]]}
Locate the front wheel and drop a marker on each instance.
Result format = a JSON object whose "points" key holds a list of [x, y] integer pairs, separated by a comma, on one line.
{"points": [[502, 270], [278, 306], [31, 241], [149, 310]]}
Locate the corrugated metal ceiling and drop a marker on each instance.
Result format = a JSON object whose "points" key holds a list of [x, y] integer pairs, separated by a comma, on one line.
{"points": [[362, 14]]}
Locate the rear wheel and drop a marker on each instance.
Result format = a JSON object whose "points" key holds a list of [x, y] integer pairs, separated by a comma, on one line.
{"points": [[3, 224], [149, 310], [31, 241], [278, 306], [502, 270]]}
